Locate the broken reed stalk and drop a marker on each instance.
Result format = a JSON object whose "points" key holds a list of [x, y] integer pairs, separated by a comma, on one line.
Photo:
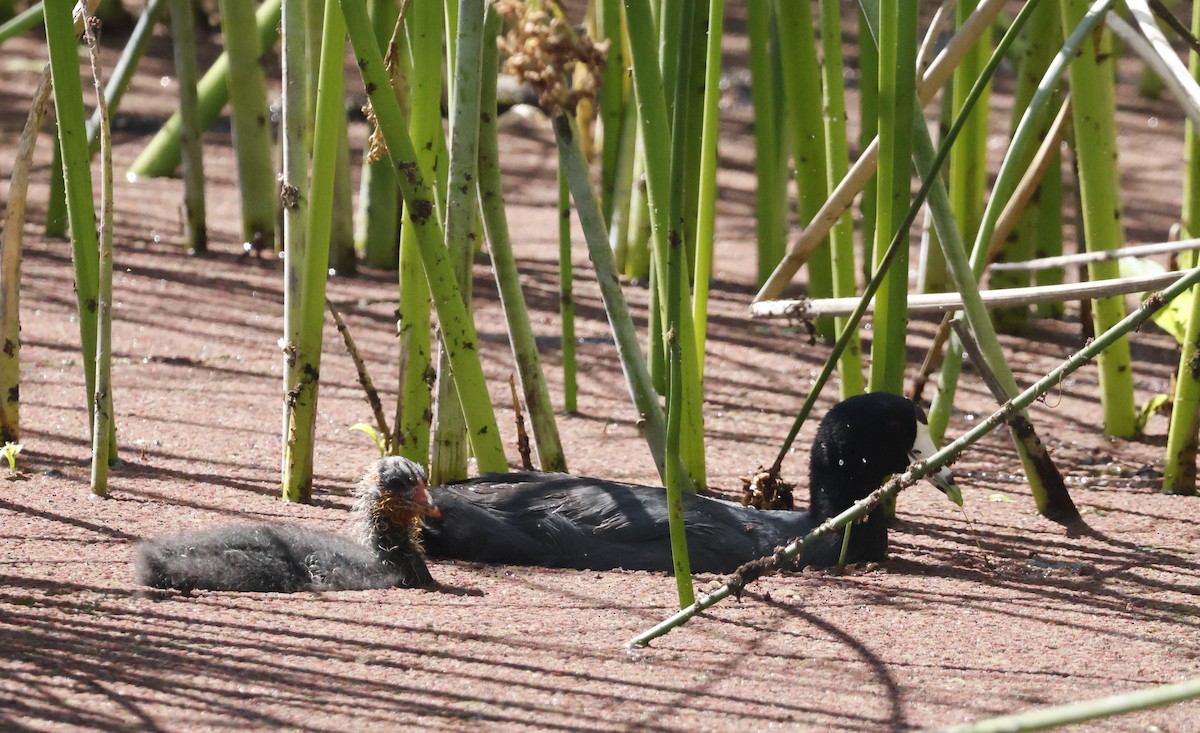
{"points": [[923, 303], [1137, 250], [1157, 52], [364, 379], [755, 569], [11, 241], [519, 419], [102, 425]]}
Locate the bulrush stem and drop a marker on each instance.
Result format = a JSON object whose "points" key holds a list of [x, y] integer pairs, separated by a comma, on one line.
{"points": [[504, 264]]}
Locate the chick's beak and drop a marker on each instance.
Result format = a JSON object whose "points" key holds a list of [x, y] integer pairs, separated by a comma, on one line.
{"points": [[423, 502]]}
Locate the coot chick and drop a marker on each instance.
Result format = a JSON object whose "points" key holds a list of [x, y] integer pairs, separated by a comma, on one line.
{"points": [[558, 520], [280, 558]]}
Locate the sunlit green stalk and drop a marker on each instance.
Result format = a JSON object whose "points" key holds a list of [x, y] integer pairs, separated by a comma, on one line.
{"points": [[450, 447], [251, 125], [103, 425], [637, 376], [56, 204], [457, 328], [968, 159], [1083, 711], [771, 192], [195, 237], [491, 204], [377, 233], [1042, 39], [342, 258], [659, 152], [294, 194], [81, 212], [162, 155], [868, 131], [423, 28], [314, 264], [624, 186], [897, 95], [1094, 121], [566, 294], [611, 101], [802, 84], [675, 295], [637, 239], [1179, 470], [707, 194], [837, 157]]}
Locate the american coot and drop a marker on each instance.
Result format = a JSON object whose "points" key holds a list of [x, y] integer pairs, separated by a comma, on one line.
{"points": [[557, 520], [392, 498]]}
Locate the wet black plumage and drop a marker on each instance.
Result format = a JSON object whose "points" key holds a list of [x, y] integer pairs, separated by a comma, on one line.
{"points": [[558, 520], [282, 558]]}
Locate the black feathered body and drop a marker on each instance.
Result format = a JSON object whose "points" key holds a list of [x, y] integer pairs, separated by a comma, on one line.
{"points": [[558, 520]]}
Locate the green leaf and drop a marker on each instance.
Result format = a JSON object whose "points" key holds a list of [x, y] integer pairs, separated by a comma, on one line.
{"points": [[373, 434], [1152, 406], [10, 451], [1173, 316]]}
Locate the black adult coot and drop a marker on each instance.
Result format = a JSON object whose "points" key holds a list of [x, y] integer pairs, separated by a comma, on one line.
{"points": [[269, 558], [558, 520]]}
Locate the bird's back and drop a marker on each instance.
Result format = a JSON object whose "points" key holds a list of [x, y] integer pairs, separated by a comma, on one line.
{"points": [[558, 520]]}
